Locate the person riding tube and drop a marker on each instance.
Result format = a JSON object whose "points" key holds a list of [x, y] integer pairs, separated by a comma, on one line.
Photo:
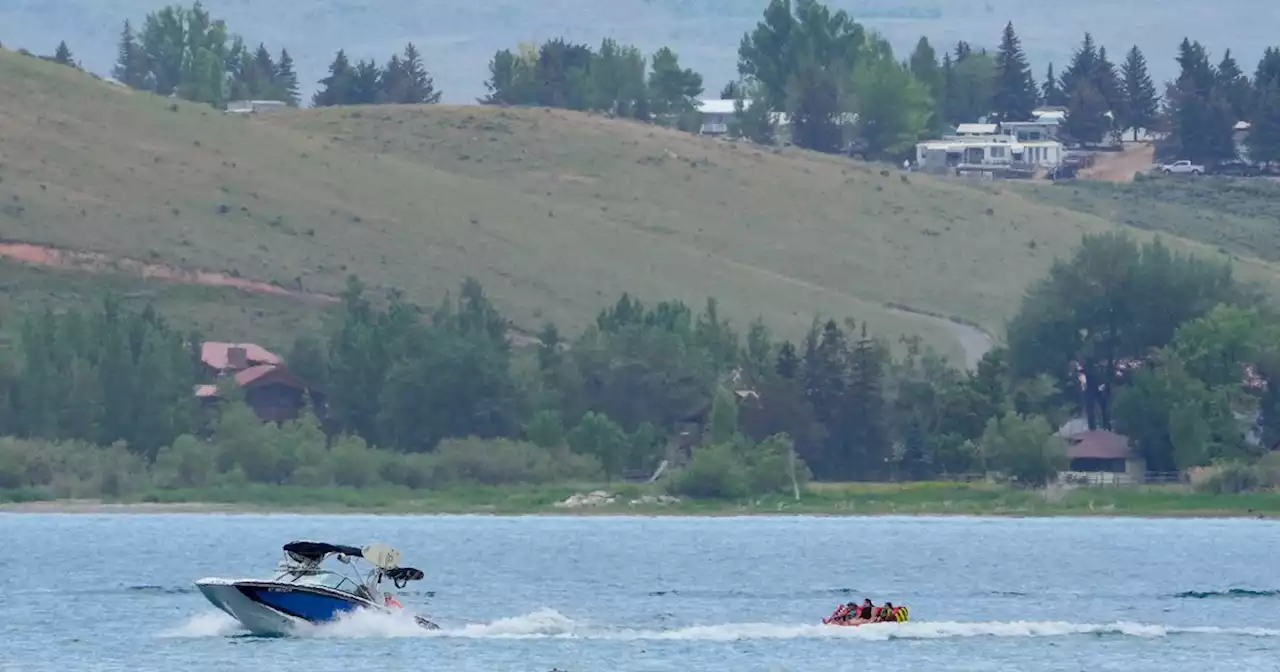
{"points": [[886, 613], [866, 611], [842, 613]]}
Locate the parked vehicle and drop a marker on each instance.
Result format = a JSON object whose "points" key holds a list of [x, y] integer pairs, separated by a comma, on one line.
{"points": [[1183, 167]]}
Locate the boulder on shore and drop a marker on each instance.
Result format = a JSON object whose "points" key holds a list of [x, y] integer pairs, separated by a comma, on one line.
{"points": [[591, 499], [649, 500]]}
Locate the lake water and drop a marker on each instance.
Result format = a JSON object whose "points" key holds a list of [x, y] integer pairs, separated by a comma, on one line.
{"points": [[114, 592]]}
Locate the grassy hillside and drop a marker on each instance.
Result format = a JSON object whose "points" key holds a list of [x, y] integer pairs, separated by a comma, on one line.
{"points": [[216, 312], [555, 213], [1236, 215]]}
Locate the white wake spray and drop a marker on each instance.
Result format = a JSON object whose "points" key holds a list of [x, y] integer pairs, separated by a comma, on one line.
{"points": [[548, 623]]}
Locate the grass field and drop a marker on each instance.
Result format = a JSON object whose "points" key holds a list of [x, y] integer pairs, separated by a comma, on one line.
{"points": [[216, 312], [1238, 216], [556, 213], [819, 499]]}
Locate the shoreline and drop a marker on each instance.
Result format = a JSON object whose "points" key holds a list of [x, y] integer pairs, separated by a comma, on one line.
{"points": [[725, 510]]}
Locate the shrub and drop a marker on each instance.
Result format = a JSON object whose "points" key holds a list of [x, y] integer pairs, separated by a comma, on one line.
{"points": [[353, 463], [1024, 449], [769, 466], [1230, 478], [545, 429], [1268, 469], [501, 461], [188, 463], [23, 464], [713, 472]]}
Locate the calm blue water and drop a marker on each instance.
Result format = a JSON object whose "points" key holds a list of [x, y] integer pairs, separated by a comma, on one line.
{"points": [[114, 592]]}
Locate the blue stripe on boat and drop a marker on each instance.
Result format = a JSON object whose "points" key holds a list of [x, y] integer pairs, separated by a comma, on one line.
{"points": [[307, 605]]}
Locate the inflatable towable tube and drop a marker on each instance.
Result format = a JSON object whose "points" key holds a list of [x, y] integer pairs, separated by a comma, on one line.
{"points": [[901, 614]]}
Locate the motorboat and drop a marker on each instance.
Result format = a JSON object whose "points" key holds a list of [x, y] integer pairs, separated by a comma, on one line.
{"points": [[303, 591]]}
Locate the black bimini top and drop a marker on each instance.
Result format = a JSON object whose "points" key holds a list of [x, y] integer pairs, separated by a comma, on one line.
{"points": [[405, 574], [315, 551]]}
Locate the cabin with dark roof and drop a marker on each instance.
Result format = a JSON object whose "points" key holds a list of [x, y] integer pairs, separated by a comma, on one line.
{"points": [[1102, 457], [274, 392]]}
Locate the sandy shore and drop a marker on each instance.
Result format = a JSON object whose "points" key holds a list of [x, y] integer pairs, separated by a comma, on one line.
{"points": [[98, 506]]}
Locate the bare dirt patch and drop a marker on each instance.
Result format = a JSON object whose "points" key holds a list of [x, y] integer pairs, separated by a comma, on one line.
{"points": [[1120, 167], [92, 262]]}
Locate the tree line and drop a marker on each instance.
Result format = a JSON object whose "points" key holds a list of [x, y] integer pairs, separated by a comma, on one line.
{"points": [[187, 53], [1180, 354], [838, 83], [615, 79]]}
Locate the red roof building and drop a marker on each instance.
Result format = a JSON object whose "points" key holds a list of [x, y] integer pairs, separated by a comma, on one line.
{"points": [[1105, 454], [275, 393]]}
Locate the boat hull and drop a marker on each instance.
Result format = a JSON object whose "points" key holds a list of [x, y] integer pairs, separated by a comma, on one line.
{"points": [[267, 608]]}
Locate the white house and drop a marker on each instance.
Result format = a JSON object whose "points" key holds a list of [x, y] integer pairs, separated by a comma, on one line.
{"points": [[1050, 113], [716, 115], [252, 106], [1040, 129], [990, 150], [976, 130]]}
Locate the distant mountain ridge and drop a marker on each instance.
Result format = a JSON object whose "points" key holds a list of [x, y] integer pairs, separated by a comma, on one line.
{"points": [[458, 37]]}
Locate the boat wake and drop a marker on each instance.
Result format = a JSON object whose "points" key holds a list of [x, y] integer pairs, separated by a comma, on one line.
{"points": [[1229, 593], [548, 623]]}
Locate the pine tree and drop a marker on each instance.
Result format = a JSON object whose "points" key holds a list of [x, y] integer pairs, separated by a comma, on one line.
{"points": [[1235, 86], [336, 88], [1264, 134], [1015, 93], [1107, 80], [1142, 103], [393, 82], [287, 78], [264, 84], [1086, 120], [788, 364], [131, 65], [924, 66], [1053, 93], [947, 99], [365, 84], [672, 89], [421, 86], [1202, 117], [1268, 71], [63, 55], [1083, 66], [864, 409]]}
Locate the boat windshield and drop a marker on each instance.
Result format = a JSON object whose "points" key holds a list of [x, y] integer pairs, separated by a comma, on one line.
{"points": [[331, 580]]}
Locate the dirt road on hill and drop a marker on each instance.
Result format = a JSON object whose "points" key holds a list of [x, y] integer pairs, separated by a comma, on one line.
{"points": [[54, 257], [974, 342], [92, 262], [1120, 167]]}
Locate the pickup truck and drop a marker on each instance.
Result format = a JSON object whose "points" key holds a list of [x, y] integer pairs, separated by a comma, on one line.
{"points": [[1182, 168]]}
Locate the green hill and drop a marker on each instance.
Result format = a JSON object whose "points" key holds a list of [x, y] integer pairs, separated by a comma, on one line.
{"points": [[556, 213], [1236, 215]]}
